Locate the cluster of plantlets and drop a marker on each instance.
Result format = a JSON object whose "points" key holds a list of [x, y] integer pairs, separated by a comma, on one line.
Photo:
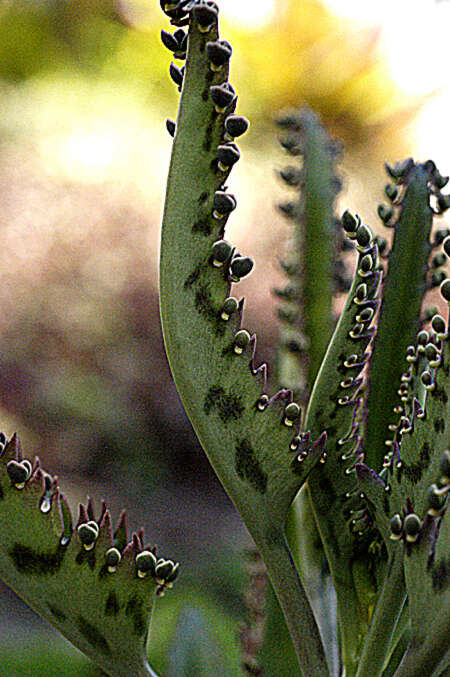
{"points": [[365, 411], [96, 585], [373, 445]]}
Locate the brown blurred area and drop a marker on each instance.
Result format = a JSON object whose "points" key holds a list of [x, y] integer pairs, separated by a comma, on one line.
{"points": [[84, 153]]}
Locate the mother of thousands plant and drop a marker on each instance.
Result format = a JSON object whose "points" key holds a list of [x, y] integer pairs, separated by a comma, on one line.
{"points": [[372, 446]]}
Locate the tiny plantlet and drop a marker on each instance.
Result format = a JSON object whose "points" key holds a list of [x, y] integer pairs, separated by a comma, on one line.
{"points": [[360, 421]]}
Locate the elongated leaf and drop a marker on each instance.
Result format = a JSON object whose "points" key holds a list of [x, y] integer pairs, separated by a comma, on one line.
{"points": [[407, 503], [84, 581], [306, 323], [404, 286], [335, 404], [250, 437]]}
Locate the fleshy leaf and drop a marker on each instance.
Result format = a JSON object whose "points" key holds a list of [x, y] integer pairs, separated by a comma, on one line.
{"points": [[404, 287], [407, 503], [94, 594], [427, 580], [335, 404], [250, 437], [306, 311]]}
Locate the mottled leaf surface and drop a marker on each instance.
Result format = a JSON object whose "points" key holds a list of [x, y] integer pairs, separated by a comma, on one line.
{"points": [[104, 613]]}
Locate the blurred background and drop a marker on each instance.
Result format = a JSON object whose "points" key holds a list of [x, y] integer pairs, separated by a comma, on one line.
{"points": [[84, 93]]}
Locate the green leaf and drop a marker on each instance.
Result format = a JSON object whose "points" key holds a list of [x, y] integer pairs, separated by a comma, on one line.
{"points": [[409, 523], [404, 287], [249, 437], [314, 274], [91, 586], [308, 297], [335, 405], [427, 580]]}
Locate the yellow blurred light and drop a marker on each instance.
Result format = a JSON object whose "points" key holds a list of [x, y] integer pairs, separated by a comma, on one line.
{"points": [[91, 152], [249, 13]]}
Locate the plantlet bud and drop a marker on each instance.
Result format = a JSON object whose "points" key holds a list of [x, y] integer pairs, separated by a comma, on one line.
{"points": [[356, 331], [427, 380], [171, 127], [443, 203], [444, 466], [163, 569], [145, 563], [391, 192], [439, 260], [439, 180], [446, 244], [445, 290], [400, 169], [385, 213], [240, 266], [169, 41], [440, 235], [363, 236], [180, 36], [365, 315], [350, 222], [382, 245], [437, 278], [228, 154], [241, 341], [422, 338], [236, 125], [205, 14], [291, 176], [435, 500], [19, 472], [222, 96], [433, 355], [262, 402], [291, 143], [412, 527], [172, 575], [351, 360], [291, 412], [438, 325], [223, 204], [429, 312], [112, 558], [218, 53], [176, 74], [222, 251], [230, 306], [175, 10], [366, 264], [88, 534], [396, 526], [287, 208], [361, 292]]}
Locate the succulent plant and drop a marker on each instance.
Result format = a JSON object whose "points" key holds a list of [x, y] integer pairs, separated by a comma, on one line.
{"points": [[371, 448]]}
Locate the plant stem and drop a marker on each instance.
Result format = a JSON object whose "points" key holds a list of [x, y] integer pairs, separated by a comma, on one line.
{"points": [[387, 610], [294, 603]]}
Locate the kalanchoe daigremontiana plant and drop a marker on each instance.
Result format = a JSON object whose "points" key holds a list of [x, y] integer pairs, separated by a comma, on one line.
{"points": [[372, 446], [374, 434]]}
